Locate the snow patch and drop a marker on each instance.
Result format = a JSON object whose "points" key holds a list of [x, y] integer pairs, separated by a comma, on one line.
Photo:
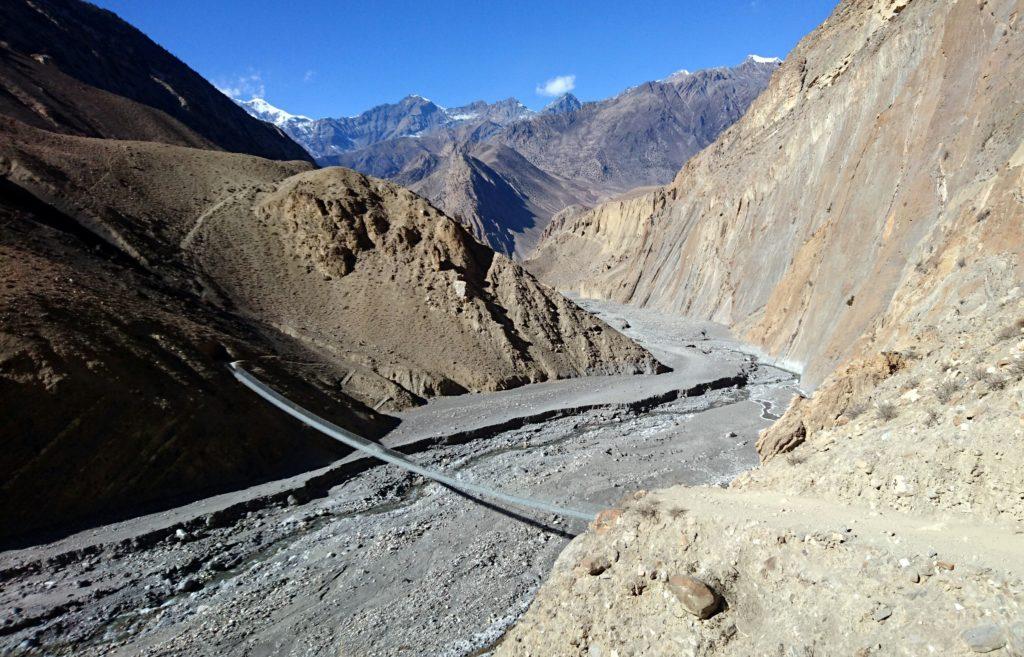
{"points": [[263, 110], [764, 60]]}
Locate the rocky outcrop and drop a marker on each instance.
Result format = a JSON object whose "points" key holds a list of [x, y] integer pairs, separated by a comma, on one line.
{"points": [[835, 213], [68, 66], [843, 394], [367, 273]]}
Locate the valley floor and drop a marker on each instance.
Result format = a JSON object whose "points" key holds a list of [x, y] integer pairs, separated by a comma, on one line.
{"points": [[385, 563]]}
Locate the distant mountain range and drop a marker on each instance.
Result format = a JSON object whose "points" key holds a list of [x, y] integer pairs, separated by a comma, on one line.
{"points": [[413, 116], [504, 170]]}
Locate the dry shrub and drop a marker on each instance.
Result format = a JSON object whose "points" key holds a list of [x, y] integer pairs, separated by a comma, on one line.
{"points": [[944, 391], [885, 411], [1011, 331], [855, 410]]}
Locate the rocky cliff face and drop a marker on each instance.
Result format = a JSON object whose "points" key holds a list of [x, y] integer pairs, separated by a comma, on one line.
{"points": [[866, 212], [68, 66], [884, 150]]}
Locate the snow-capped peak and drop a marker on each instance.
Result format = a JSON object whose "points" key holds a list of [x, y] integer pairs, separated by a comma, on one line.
{"points": [[263, 110], [678, 75], [764, 60]]}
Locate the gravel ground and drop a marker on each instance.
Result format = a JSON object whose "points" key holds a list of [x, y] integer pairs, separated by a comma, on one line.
{"points": [[386, 563]]}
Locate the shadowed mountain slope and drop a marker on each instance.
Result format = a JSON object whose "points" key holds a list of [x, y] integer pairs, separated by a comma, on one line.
{"points": [[69, 66]]}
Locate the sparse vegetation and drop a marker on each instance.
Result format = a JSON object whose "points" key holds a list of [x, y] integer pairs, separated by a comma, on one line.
{"points": [[1011, 331], [961, 262], [931, 417], [1015, 370], [944, 391], [885, 411], [911, 383], [676, 512], [855, 410], [996, 382], [647, 510], [796, 459]]}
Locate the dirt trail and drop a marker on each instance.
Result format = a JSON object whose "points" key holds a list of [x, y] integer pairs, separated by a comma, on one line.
{"points": [[980, 545]]}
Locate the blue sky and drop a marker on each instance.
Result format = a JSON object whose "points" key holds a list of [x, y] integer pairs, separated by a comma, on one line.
{"points": [[337, 58]]}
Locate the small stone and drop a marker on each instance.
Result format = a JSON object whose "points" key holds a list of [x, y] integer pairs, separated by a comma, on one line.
{"points": [[292, 500], [882, 613], [188, 585], [901, 487], [984, 638], [605, 520], [181, 535], [596, 565], [695, 596], [944, 565], [636, 586], [913, 575]]}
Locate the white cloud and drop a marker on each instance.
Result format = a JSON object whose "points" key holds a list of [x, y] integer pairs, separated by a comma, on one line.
{"points": [[309, 75], [243, 87], [557, 86]]}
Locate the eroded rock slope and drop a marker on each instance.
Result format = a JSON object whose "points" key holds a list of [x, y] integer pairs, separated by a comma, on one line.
{"points": [[863, 221], [885, 151]]}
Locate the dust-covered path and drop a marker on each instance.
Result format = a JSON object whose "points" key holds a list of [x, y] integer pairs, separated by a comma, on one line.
{"points": [[387, 563]]}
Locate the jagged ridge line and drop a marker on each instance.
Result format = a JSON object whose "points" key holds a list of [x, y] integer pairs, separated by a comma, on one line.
{"points": [[391, 456]]}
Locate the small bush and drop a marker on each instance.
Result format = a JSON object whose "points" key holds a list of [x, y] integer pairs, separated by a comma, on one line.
{"points": [[855, 410], [931, 417], [961, 262], [676, 512], [795, 459], [944, 391], [647, 510], [885, 411], [1011, 331], [996, 382], [911, 383], [1015, 369]]}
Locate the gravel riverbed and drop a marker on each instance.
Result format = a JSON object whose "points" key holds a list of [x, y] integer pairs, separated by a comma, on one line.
{"points": [[387, 563]]}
